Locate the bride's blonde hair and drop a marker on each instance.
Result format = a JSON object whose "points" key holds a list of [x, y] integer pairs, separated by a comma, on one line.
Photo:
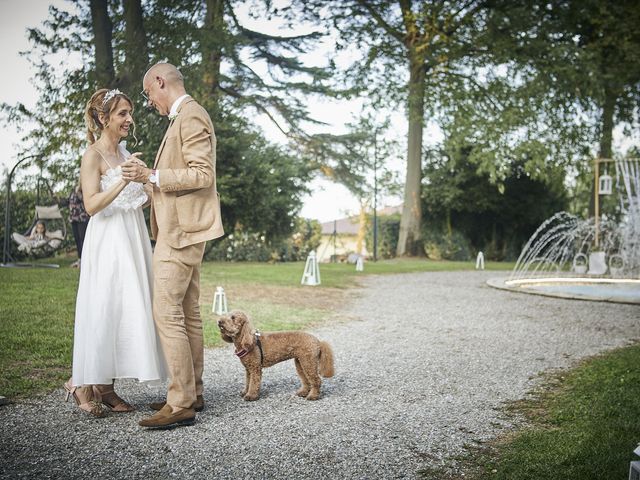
{"points": [[97, 105]]}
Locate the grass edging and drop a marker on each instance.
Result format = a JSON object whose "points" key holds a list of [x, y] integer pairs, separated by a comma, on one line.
{"points": [[581, 423]]}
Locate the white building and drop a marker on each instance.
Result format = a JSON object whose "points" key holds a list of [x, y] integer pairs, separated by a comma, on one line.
{"points": [[340, 237]]}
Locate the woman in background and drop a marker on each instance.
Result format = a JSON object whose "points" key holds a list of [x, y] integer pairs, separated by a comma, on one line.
{"points": [[79, 220]]}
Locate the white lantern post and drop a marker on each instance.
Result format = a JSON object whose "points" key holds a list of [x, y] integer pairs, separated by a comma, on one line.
{"points": [[220, 302], [311, 275]]}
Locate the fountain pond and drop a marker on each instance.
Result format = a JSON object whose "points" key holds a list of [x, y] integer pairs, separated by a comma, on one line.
{"points": [[586, 259]]}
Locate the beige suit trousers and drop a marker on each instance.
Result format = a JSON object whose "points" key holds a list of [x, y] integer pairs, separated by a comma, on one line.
{"points": [[176, 311]]}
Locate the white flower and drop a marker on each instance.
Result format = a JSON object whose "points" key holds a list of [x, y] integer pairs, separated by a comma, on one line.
{"points": [[172, 116]]}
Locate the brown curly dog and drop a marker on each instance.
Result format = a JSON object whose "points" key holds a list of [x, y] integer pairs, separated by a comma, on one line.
{"points": [[258, 350]]}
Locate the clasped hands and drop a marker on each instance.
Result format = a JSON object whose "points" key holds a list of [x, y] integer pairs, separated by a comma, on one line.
{"points": [[135, 170]]}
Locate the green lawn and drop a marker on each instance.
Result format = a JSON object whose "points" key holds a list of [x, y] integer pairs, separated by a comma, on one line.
{"points": [[338, 275], [36, 328], [583, 425], [37, 308]]}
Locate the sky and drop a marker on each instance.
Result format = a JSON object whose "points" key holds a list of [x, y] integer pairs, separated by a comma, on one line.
{"points": [[327, 201], [15, 83]]}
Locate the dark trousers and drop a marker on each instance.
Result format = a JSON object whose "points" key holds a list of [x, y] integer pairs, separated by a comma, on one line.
{"points": [[79, 230]]}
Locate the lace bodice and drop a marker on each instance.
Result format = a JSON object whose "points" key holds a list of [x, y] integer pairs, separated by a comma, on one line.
{"points": [[130, 198]]}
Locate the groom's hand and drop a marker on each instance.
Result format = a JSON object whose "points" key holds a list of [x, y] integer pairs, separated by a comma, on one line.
{"points": [[135, 170]]}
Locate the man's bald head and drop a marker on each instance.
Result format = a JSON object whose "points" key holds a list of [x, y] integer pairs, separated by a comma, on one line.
{"points": [[167, 71], [162, 85]]}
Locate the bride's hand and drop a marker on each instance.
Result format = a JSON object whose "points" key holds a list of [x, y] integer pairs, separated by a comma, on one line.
{"points": [[135, 157], [134, 170]]}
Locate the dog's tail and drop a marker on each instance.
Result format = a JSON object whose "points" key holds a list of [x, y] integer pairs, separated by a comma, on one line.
{"points": [[326, 360]]}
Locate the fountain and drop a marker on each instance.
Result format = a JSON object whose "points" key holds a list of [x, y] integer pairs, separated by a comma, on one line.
{"points": [[593, 259]]}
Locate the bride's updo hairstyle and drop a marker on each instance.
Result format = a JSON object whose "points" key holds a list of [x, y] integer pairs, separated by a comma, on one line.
{"points": [[103, 101]]}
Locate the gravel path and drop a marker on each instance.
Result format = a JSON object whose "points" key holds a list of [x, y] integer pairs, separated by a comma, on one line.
{"points": [[424, 363]]}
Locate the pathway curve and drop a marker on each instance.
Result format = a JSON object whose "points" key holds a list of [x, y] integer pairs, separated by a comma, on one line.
{"points": [[424, 362]]}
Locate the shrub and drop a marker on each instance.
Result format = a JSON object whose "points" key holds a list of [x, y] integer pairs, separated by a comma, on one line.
{"points": [[388, 232], [306, 237], [439, 245], [239, 246], [244, 246]]}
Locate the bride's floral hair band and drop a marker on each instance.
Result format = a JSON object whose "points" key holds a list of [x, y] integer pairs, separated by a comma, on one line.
{"points": [[110, 94]]}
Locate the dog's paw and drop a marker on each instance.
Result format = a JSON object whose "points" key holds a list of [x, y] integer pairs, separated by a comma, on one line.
{"points": [[313, 396], [243, 393], [250, 398], [303, 392]]}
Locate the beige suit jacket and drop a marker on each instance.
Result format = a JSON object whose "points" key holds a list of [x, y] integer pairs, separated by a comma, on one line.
{"points": [[185, 209]]}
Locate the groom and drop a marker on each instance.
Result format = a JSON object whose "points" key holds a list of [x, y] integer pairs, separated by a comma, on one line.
{"points": [[185, 213]]}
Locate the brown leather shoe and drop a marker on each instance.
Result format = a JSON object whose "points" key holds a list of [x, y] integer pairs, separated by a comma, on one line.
{"points": [[198, 406], [165, 418]]}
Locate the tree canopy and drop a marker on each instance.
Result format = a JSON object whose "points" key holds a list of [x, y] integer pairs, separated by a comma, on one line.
{"points": [[524, 92], [232, 70]]}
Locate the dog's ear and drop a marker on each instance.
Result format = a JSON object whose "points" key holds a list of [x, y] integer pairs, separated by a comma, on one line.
{"points": [[247, 339]]}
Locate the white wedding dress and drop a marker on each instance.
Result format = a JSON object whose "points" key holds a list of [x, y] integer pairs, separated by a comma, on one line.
{"points": [[114, 335]]}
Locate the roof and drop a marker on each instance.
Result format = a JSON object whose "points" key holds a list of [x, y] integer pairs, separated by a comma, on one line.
{"points": [[344, 226], [390, 210]]}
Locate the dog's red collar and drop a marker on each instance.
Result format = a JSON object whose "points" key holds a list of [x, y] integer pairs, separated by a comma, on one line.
{"points": [[241, 353], [244, 351]]}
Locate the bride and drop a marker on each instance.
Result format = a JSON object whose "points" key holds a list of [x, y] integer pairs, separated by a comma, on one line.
{"points": [[114, 333]]}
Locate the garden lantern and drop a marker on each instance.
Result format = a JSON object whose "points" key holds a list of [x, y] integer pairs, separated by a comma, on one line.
{"points": [[311, 275], [606, 184], [220, 302], [603, 185]]}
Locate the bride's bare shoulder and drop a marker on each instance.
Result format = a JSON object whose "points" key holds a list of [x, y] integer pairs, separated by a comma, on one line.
{"points": [[91, 158]]}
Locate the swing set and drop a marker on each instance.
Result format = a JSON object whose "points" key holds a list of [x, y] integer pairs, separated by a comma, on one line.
{"points": [[47, 212]]}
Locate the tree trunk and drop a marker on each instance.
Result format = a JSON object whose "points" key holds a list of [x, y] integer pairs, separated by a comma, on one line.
{"points": [[606, 135], [409, 241], [102, 36], [135, 47], [362, 226], [212, 34], [606, 123]]}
